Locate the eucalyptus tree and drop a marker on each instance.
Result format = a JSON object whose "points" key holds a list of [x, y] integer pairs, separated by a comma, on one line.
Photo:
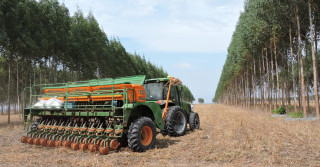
{"points": [[267, 37], [314, 58]]}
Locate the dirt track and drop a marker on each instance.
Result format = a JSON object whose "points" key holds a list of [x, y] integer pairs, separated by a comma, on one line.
{"points": [[228, 137]]}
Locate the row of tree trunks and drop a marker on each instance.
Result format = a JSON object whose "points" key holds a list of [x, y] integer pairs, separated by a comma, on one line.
{"points": [[284, 74]]}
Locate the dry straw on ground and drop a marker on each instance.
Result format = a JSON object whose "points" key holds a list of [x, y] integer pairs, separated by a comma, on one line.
{"points": [[228, 137]]}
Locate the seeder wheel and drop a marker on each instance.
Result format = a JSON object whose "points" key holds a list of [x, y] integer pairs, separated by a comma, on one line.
{"points": [[114, 144], [24, 139], [103, 150], [58, 143], [41, 140], [44, 142], [64, 143], [75, 146], [84, 146], [93, 147], [51, 143], [37, 141], [68, 144], [30, 140]]}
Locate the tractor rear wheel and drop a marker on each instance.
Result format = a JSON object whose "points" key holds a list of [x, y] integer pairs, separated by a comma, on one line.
{"points": [[194, 121], [176, 121], [141, 134]]}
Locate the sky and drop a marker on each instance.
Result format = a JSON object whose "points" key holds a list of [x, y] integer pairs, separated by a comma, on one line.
{"points": [[188, 38]]}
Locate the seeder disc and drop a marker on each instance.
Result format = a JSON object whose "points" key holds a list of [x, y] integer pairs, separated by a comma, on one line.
{"points": [[44, 142], [30, 140], [24, 139], [103, 150], [51, 143], [84, 146], [58, 143], [37, 141], [114, 144], [75, 146]]}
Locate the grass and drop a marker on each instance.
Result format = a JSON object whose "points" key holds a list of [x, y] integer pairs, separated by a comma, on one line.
{"points": [[280, 110], [228, 137], [298, 114]]}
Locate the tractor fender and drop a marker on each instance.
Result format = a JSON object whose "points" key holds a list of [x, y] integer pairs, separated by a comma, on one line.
{"points": [[151, 110]]}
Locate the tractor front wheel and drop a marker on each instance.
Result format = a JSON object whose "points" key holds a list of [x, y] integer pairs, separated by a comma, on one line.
{"points": [[176, 121], [194, 121], [141, 134]]}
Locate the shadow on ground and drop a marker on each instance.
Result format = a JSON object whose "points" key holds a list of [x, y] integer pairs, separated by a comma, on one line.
{"points": [[165, 143]]}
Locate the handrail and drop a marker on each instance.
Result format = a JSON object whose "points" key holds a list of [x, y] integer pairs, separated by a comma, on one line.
{"points": [[34, 93]]}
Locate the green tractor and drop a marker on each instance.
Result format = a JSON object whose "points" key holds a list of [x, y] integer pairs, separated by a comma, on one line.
{"points": [[102, 114]]}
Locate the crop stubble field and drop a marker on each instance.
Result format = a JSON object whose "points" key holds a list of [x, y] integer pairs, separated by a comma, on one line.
{"points": [[228, 136]]}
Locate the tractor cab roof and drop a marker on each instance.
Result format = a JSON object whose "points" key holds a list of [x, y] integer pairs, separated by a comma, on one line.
{"points": [[153, 80]]}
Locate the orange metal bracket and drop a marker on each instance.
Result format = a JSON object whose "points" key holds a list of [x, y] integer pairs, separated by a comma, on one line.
{"points": [[164, 114]]}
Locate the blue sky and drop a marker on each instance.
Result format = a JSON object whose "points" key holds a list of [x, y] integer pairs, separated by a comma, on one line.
{"points": [[188, 38]]}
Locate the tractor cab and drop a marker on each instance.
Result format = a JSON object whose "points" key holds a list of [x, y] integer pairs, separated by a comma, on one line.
{"points": [[157, 90]]}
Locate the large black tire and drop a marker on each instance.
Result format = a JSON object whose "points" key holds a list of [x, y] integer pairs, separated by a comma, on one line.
{"points": [[141, 134], [194, 121], [176, 121], [164, 131]]}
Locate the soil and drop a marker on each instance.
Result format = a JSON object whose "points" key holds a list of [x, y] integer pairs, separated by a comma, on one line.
{"points": [[228, 136]]}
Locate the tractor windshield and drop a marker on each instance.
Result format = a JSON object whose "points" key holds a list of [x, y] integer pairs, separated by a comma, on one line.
{"points": [[154, 91]]}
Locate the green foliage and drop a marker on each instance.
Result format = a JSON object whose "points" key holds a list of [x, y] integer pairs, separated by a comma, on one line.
{"points": [[280, 110], [298, 114], [200, 100], [187, 95]]}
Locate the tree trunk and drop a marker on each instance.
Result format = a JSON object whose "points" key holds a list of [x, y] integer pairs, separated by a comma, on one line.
{"points": [[292, 71], [301, 64], [283, 93], [45, 71], [268, 79], [244, 91], [314, 64], [261, 84], [248, 89], [253, 84], [34, 73], [9, 87], [287, 82], [264, 81], [18, 97], [308, 99], [40, 75], [272, 74], [299, 85], [277, 70]]}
